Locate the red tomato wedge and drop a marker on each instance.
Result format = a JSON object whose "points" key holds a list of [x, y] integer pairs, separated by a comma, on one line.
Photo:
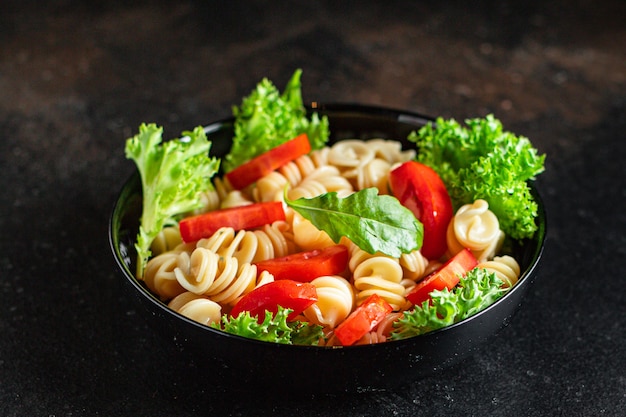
{"points": [[445, 277], [306, 266], [362, 320], [239, 218], [285, 293], [420, 189], [247, 173]]}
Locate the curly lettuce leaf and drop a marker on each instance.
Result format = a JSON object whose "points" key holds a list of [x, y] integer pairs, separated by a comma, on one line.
{"points": [[266, 118], [375, 223], [274, 328], [475, 292], [481, 160], [173, 176]]}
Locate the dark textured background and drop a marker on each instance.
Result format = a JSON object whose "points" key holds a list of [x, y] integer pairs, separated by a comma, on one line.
{"points": [[77, 78]]}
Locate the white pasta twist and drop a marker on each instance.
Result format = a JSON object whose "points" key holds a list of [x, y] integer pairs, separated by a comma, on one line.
{"points": [[322, 180], [475, 227], [307, 236], [196, 307], [166, 240], [159, 274], [335, 301], [367, 164], [414, 265], [235, 198], [379, 274], [505, 267], [222, 279], [210, 201], [248, 246], [270, 187], [374, 173], [298, 169], [390, 150]]}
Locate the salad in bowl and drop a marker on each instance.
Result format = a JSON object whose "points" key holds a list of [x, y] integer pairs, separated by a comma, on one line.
{"points": [[329, 228]]}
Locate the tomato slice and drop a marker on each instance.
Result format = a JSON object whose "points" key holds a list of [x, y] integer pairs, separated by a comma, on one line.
{"points": [[445, 277], [247, 173], [362, 320], [420, 189], [306, 266], [244, 217], [285, 293]]}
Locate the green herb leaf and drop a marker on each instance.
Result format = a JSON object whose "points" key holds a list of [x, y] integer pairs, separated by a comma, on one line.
{"points": [[274, 328], [173, 176], [475, 292], [375, 223], [267, 118], [481, 160]]}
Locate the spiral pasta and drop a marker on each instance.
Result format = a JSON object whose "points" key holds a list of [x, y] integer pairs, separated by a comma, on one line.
{"points": [[414, 265], [367, 164], [167, 239], [196, 307], [271, 241], [335, 301], [376, 274], [308, 237], [505, 267], [223, 279], [159, 275], [475, 227]]}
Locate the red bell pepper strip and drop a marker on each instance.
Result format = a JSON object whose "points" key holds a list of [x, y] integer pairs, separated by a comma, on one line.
{"points": [[362, 320], [239, 218], [447, 276], [256, 168], [420, 189], [306, 266], [285, 293]]}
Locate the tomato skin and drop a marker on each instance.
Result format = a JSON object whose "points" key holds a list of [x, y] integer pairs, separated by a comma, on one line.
{"points": [[285, 293], [247, 173], [420, 189], [362, 320], [445, 277], [244, 217], [306, 266]]}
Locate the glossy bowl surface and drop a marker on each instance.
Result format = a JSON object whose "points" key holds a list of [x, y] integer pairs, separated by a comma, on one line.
{"points": [[232, 362]]}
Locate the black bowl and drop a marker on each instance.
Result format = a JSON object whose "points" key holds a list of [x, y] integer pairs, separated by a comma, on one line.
{"points": [[233, 362]]}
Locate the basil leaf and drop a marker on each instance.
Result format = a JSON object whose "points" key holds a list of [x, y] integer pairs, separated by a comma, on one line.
{"points": [[375, 223]]}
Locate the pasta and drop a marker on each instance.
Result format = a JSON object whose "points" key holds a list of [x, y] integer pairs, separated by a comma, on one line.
{"points": [[201, 280], [307, 236], [475, 227], [367, 164], [196, 307], [272, 241], [167, 239], [378, 274], [159, 274], [223, 279], [505, 267], [335, 301]]}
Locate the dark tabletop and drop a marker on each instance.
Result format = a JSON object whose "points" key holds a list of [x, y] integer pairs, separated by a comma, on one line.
{"points": [[77, 79]]}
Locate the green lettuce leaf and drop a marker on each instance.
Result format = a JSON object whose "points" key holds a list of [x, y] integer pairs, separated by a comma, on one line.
{"points": [[375, 223], [274, 328], [266, 118], [481, 160], [475, 292], [173, 176]]}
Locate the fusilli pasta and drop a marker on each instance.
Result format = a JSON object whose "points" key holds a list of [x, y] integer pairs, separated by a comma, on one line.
{"points": [[505, 267], [475, 227]]}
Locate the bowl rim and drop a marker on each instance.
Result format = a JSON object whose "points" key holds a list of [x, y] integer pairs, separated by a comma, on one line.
{"points": [[402, 116]]}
